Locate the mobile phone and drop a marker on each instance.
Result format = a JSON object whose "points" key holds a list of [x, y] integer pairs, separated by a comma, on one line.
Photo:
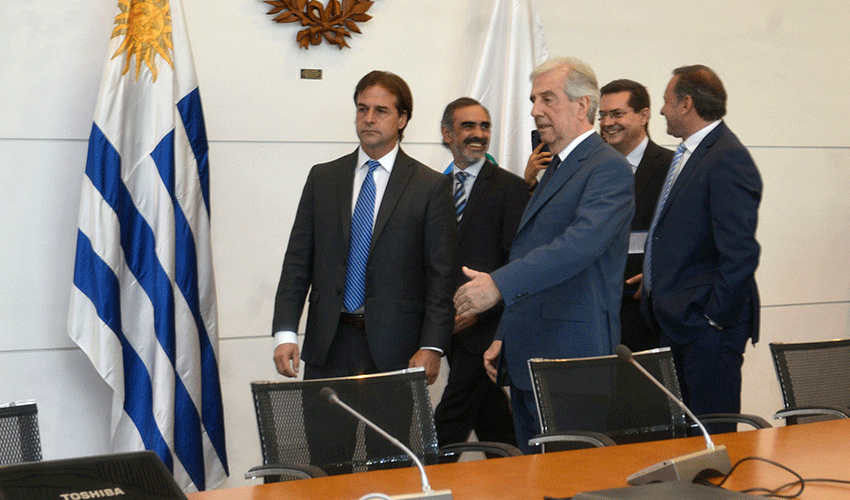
{"points": [[535, 140]]}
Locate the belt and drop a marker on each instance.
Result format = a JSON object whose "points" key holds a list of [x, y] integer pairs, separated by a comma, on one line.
{"points": [[355, 320]]}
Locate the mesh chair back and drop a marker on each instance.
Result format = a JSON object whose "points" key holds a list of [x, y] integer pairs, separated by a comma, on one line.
{"points": [[813, 374], [19, 436], [604, 394], [298, 427]]}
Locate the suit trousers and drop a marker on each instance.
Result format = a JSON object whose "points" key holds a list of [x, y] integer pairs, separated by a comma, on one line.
{"points": [[709, 369], [471, 401], [331, 432]]}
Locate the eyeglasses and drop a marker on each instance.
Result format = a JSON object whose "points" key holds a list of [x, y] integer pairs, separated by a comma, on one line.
{"points": [[615, 114]]}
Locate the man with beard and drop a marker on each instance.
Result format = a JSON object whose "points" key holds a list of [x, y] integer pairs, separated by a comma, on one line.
{"points": [[563, 284], [623, 122], [489, 202]]}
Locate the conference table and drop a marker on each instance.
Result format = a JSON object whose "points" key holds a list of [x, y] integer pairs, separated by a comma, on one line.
{"points": [[815, 450]]}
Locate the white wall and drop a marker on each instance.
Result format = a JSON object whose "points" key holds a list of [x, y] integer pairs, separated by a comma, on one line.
{"points": [[783, 63]]}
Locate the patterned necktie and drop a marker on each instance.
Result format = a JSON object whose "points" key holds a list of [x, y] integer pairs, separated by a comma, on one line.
{"points": [[665, 192], [361, 238], [550, 171], [460, 194]]}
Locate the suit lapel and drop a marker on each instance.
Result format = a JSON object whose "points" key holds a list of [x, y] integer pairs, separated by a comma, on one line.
{"points": [[476, 197], [345, 193], [568, 167], [649, 164], [692, 165], [399, 178]]}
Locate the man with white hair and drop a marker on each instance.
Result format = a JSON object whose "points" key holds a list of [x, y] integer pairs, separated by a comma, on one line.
{"points": [[563, 284]]}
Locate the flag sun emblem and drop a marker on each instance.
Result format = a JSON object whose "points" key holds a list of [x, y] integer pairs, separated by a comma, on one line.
{"points": [[146, 27]]}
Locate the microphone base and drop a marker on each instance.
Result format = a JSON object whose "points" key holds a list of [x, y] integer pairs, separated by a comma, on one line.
{"points": [[705, 463], [431, 495]]}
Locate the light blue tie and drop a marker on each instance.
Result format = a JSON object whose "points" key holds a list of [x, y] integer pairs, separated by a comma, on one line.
{"points": [[361, 238], [665, 192], [460, 194]]}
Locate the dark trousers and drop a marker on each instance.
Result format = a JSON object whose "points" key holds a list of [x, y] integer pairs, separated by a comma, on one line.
{"points": [[526, 419], [331, 431], [709, 369], [635, 332], [471, 401]]}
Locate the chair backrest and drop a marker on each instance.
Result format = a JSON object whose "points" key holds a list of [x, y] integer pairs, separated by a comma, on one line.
{"points": [[813, 374], [298, 427], [19, 436], [607, 395]]}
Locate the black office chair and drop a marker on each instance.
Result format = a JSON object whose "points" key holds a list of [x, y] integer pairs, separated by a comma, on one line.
{"points": [[814, 378], [301, 435], [19, 435], [581, 399]]}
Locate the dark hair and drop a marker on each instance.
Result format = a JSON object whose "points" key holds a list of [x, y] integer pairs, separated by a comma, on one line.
{"points": [[704, 87], [449, 113], [395, 86], [638, 96]]}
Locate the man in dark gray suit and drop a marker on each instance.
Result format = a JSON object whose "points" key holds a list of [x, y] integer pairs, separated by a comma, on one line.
{"points": [[623, 121], [563, 285], [489, 201], [383, 303]]}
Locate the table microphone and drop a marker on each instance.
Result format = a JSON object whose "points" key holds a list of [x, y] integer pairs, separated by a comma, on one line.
{"points": [[330, 396], [714, 460]]}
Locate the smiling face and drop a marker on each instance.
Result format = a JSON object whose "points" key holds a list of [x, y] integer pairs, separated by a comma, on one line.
{"points": [[378, 121], [469, 136], [674, 110], [558, 119], [621, 126]]}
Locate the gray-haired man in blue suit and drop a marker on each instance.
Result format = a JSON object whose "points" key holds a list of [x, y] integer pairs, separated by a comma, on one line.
{"points": [[563, 284]]}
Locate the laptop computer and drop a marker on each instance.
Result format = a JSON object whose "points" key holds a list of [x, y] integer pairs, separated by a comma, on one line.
{"points": [[122, 476]]}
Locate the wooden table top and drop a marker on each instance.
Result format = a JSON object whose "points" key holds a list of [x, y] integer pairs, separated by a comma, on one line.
{"points": [[817, 450]]}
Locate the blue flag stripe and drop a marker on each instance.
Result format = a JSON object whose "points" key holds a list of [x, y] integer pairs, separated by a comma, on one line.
{"points": [[192, 115], [95, 279]]}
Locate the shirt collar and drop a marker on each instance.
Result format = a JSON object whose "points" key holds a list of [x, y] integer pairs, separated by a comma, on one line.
{"points": [[693, 141], [387, 161], [473, 170], [636, 155], [571, 146]]}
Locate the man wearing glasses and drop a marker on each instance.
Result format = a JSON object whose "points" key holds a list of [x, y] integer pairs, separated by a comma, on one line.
{"points": [[623, 122]]}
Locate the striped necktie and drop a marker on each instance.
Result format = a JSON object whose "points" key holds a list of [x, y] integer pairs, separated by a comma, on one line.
{"points": [[460, 194], [665, 192], [361, 239]]}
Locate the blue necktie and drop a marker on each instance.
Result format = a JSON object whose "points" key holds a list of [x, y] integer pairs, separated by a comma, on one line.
{"points": [[361, 238], [665, 192], [460, 194]]}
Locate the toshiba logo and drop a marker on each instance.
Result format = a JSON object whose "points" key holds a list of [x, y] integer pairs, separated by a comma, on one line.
{"points": [[86, 495]]}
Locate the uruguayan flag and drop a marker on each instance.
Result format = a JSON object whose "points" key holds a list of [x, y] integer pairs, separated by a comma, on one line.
{"points": [[143, 306]]}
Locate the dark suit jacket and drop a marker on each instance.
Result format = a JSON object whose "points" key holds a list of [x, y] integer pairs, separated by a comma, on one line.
{"points": [[410, 273], [485, 234], [563, 285], [649, 179], [704, 251]]}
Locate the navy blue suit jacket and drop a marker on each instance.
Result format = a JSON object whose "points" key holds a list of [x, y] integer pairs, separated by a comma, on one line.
{"points": [[563, 285], [704, 250]]}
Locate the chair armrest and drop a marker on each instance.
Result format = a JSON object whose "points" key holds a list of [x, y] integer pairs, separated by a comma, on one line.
{"points": [[596, 439], [486, 447], [813, 411], [297, 471], [735, 418]]}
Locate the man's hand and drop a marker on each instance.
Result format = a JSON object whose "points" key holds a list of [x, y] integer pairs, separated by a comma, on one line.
{"points": [[286, 359], [477, 295], [636, 280], [464, 323], [491, 356], [428, 359], [537, 161]]}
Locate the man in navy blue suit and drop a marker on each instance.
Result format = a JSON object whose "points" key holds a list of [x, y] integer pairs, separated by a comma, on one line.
{"points": [[699, 289], [563, 284]]}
